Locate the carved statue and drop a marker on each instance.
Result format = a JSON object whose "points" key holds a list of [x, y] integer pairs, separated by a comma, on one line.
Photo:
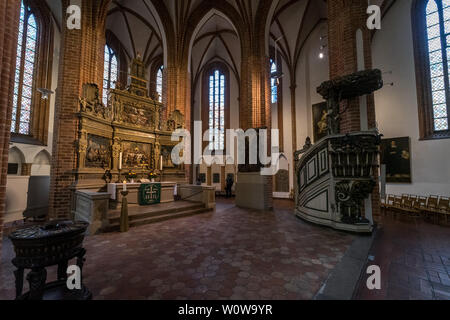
{"points": [[176, 121], [350, 195], [90, 102], [347, 87]]}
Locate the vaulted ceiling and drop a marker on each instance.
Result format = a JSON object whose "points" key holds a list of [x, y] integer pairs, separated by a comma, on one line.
{"points": [[134, 24], [292, 24], [139, 28]]}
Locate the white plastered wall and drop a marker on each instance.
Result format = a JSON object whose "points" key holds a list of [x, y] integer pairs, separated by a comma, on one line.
{"points": [[397, 109]]}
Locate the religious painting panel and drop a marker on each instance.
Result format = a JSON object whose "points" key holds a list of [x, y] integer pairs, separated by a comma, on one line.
{"points": [[135, 114], [98, 152], [166, 152], [136, 155], [320, 121], [396, 155]]}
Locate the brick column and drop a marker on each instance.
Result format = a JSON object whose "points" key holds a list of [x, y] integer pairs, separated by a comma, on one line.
{"points": [[177, 96], [9, 28], [26, 169], [255, 102], [81, 61], [344, 19]]}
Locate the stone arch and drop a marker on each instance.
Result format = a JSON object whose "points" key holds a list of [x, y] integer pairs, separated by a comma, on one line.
{"points": [[281, 181], [266, 10], [42, 157], [165, 25], [16, 156], [199, 19], [41, 164]]}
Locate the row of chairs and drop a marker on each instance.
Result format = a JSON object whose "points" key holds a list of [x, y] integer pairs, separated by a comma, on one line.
{"points": [[434, 208]]}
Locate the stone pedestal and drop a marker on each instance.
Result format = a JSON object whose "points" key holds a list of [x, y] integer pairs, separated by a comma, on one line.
{"points": [[254, 191], [206, 195], [92, 207]]}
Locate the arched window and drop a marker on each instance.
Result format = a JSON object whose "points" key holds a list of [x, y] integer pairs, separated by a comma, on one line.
{"points": [[159, 83], [25, 71], [217, 110], [438, 29], [110, 73], [273, 81], [431, 21]]}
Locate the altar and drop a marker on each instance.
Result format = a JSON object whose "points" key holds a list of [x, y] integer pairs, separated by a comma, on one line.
{"points": [[142, 193], [128, 139]]}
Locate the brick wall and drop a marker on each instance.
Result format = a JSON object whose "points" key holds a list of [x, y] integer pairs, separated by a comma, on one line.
{"points": [[9, 25], [344, 19], [81, 61]]}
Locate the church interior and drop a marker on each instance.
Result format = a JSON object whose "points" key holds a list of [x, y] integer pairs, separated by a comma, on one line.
{"points": [[226, 149]]}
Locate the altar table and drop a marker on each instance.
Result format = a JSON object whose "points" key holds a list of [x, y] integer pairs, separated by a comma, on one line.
{"points": [[168, 190]]}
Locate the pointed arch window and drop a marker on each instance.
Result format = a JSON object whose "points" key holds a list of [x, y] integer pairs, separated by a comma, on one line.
{"points": [[431, 31], [159, 83], [217, 110], [438, 37], [110, 73], [25, 72], [273, 81]]}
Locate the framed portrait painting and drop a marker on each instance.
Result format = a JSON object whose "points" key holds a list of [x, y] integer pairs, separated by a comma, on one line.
{"points": [[396, 155]]}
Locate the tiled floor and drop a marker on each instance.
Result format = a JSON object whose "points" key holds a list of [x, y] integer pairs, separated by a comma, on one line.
{"points": [[229, 254], [414, 258]]}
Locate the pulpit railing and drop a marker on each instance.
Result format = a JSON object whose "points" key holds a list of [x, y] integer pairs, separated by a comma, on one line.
{"points": [[334, 178]]}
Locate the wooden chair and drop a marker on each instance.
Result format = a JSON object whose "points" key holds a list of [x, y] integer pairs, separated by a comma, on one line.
{"points": [[432, 202], [443, 208], [413, 197], [431, 211], [398, 205], [420, 204], [389, 205], [409, 209]]}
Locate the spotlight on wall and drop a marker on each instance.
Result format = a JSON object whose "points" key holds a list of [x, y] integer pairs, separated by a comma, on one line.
{"points": [[322, 51], [45, 93], [322, 46]]}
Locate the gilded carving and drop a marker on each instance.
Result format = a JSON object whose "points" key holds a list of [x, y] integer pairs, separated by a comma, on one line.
{"points": [[136, 155], [176, 121], [98, 153], [90, 102]]}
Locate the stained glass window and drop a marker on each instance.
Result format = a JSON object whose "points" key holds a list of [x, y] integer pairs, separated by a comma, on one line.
{"points": [[217, 110], [110, 73], [438, 45], [24, 74], [273, 81], [159, 83]]}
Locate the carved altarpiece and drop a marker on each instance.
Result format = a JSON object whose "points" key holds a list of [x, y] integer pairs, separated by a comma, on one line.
{"points": [[130, 124]]}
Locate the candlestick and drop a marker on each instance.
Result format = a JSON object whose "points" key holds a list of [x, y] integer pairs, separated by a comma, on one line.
{"points": [[120, 161], [124, 186], [161, 163], [124, 221]]}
